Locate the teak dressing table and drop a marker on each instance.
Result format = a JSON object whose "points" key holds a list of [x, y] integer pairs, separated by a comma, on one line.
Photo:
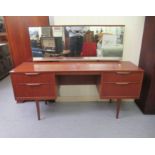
{"points": [[40, 80]]}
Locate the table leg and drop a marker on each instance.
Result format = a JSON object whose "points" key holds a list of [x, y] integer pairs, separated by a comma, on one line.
{"points": [[118, 104], [38, 109]]}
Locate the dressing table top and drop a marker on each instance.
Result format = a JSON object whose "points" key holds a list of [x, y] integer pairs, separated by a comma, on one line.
{"points": [[76, 66]]}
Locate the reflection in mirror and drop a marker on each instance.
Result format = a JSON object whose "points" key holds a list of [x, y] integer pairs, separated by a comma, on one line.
{"points": [[77, 41]]}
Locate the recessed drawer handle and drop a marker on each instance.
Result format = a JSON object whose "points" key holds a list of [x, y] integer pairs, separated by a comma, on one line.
{"points": [[33, 84], [122, 83], [31, 74], [123, 73]]}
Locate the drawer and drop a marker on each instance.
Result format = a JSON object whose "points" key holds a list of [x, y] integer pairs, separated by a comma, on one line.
{"points": [[33, 90], [33, 78], [120, 89], [122, 76]]}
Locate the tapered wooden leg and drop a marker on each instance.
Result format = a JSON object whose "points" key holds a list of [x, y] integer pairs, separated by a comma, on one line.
{"points": [[118, 107], [38, 109]]}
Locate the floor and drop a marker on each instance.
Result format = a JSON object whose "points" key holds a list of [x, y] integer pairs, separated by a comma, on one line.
{"points": [[71, 120]]}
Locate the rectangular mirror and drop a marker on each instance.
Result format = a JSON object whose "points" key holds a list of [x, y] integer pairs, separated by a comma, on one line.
{"points": [[77, 41]]}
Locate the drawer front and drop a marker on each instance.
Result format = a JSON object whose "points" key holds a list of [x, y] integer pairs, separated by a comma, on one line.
{"points": [[33, 77], [120, 90], [33, 90], [122, 76]]}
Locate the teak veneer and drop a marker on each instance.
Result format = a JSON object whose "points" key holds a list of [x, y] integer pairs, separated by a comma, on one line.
{"points": [[40, 80]]}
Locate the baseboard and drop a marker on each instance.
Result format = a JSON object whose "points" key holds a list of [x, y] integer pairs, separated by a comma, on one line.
{"points": [[77, 98], [85, 99]]}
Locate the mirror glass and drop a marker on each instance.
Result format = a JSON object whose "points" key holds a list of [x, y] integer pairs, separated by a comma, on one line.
{"points": [[77, 41]]}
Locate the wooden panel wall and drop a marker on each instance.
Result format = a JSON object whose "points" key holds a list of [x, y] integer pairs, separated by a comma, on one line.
{"points": [[18, 37], [147, 62]]}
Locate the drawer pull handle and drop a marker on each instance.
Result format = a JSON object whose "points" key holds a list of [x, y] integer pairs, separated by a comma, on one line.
{"points": [[123, 73], [33, 84], [122, 83], [31, 74]]}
